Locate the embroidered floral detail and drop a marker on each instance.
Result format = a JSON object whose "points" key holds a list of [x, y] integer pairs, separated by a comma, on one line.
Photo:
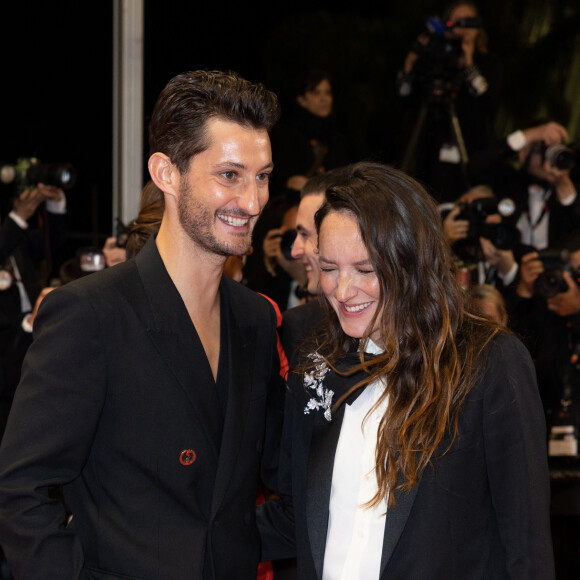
{"points": [[313, 380]]}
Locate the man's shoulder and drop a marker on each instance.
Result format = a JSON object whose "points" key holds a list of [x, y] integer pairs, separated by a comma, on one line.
{"points": [[105, 280], [245, 300], [304, 316], [299, 324]]}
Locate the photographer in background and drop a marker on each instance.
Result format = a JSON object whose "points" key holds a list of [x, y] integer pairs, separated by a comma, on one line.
{"points": [[450, 83], [541, 183], [480, 230], [270, 269], [31, 233], [547, 318], [546, 314]]}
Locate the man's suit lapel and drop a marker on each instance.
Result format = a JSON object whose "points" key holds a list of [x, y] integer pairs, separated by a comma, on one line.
{"points": [[174, 336], [241, 351]]}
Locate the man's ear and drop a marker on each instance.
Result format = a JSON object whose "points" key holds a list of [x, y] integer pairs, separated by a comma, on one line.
{"points": [[163, 173]]}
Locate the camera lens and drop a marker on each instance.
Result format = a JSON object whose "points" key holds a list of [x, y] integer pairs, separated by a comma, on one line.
{"points": [[560, 156], [287, 242]]}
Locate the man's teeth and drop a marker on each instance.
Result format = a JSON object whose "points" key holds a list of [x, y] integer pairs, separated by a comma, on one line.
{"points": [[356, 308], [234, 221]]}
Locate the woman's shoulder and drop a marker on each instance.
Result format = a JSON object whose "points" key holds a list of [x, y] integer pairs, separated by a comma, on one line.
{"points": [[505, 346], [506, 363]]}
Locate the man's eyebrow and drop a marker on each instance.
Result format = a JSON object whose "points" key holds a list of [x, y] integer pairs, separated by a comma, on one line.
{"points": [[239, 165]]}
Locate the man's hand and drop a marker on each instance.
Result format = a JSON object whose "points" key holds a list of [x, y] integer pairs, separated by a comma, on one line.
{"points": [[549, 134], [530, 268], [271, 248], [50, 192], [27, 203], [113, 254], [566, 303], [502, 260], [454, 229], [273, 255], [40, 298]]}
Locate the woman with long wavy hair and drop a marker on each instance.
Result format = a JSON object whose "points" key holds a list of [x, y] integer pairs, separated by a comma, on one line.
{"points": [[414, 438]]}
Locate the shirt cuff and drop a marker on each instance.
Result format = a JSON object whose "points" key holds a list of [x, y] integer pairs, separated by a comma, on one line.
{"points": [[59, 206], [516, 140], [569, 200], [26, 326], [21, 223], [510, 276]]}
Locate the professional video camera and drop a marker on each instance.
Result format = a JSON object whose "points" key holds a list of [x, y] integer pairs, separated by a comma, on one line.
{"points": [[503, 235], [29, 171], [551, 281], [439, 58]]}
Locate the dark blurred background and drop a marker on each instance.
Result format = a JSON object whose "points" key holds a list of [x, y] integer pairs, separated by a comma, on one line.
{"points": [[56, 94]]}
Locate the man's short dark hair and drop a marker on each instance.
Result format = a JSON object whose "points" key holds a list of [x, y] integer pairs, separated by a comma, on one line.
{"points": [[178, 122], [320, 182]]}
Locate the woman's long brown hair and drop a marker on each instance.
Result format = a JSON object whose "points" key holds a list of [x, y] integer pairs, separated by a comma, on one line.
{"points": [[431, 344]]}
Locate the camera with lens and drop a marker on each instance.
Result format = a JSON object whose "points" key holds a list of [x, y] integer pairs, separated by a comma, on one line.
{"points": [[287, 243], [29, 171], [439, 60], [562, 156], [91, 259], [121, 233], [551, 281], [503, 235]]}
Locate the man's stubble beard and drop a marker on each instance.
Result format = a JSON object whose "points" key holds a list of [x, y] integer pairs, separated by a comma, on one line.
{"points": [[199, 224]]}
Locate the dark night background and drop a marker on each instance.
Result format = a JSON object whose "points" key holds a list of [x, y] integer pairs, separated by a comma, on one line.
{"points": [[56, 92]]}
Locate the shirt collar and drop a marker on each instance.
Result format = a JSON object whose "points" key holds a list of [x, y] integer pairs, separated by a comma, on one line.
{"points": [[371, 347]]}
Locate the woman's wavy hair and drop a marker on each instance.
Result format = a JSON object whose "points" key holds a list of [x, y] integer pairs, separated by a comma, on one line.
{"points": [[431, 344]]}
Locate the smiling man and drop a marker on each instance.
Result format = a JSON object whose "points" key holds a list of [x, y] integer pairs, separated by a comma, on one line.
{"points": [[143, 398], [301, 321]]}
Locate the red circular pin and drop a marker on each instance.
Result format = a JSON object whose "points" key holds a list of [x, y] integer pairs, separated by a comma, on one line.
{"points": [[187, 457]]}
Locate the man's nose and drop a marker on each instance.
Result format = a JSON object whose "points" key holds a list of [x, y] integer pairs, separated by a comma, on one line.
{"points": [[253, 198], [297, 248]]}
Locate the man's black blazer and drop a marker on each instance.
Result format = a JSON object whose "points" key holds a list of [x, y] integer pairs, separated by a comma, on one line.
{"points": [[480, 512], [117, 405]]}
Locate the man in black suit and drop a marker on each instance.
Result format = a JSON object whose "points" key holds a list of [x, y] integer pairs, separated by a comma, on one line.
{"points": [[143, 397], [298, 322]]}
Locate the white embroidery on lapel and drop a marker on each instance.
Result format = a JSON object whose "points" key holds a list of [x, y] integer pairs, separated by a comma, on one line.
{"points": [[313, 380]]}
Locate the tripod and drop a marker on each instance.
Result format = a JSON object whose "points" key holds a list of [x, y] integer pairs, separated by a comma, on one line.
{"points": [[439, 99]]}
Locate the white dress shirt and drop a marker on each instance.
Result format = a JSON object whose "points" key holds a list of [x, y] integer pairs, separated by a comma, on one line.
{"points": [[534, 226], [354, 541]]}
